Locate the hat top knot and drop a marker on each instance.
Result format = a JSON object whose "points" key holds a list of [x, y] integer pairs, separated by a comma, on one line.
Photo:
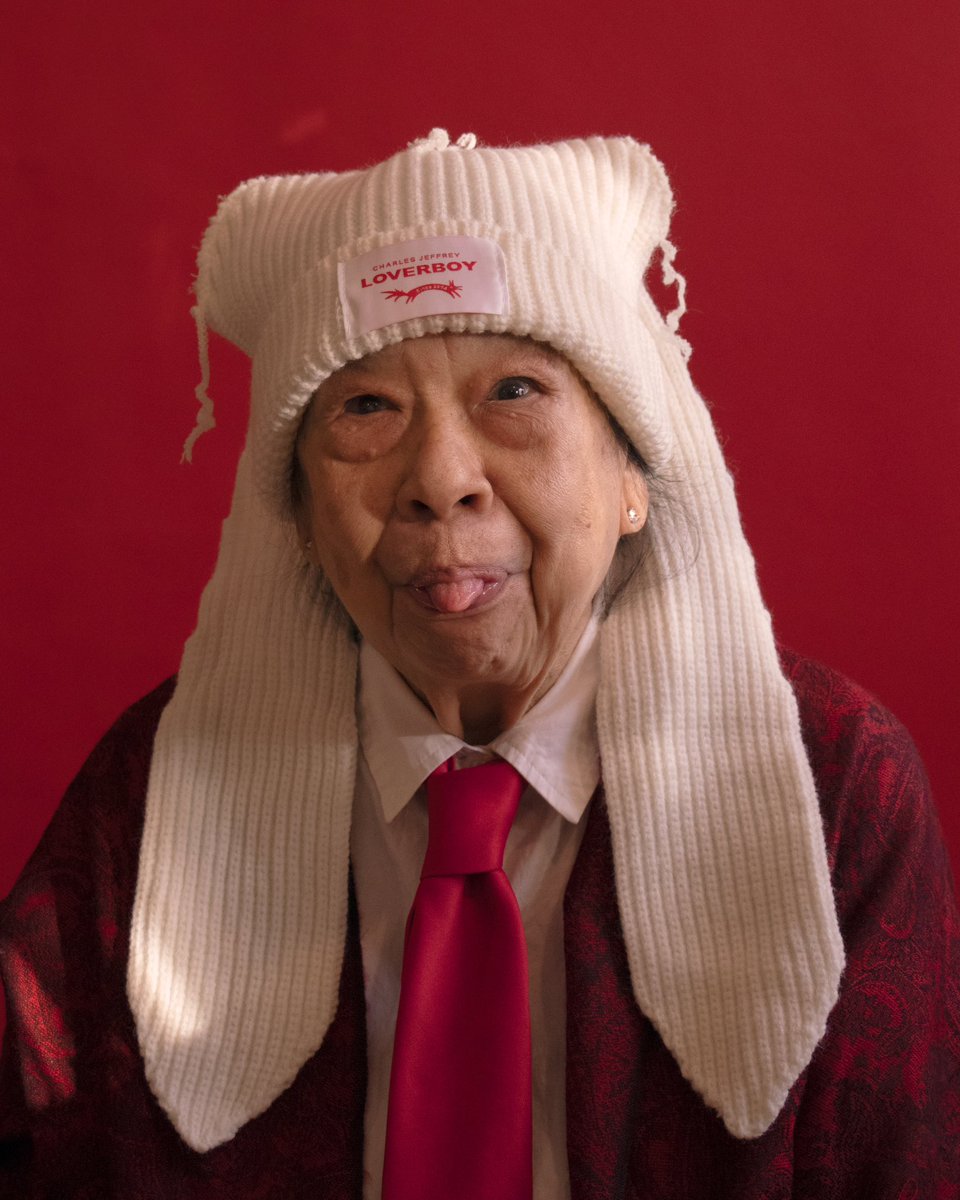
{"points": [[439, 139]]}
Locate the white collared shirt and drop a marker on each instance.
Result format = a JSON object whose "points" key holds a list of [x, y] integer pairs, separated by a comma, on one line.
{"points": [[554, 747]]}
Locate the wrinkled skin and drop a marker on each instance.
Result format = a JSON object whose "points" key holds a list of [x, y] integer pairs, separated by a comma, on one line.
{"points": [[464, 494]]}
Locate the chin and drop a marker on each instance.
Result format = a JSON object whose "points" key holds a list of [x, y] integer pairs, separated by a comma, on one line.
{"points": [[466, 651]]}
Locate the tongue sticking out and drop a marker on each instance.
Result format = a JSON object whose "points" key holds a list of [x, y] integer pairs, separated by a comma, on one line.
{"points": [[455, 595]]}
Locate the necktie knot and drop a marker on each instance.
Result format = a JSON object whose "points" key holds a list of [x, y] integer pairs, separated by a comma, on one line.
{"points": [[471, 812]]}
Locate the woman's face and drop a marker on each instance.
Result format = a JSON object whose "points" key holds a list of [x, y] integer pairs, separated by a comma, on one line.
{"points": [[464, 495]]}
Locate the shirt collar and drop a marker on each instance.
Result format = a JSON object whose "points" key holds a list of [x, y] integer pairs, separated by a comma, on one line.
{"points": [[553, 746]]}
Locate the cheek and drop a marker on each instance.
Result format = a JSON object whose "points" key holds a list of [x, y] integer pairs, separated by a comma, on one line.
{"points": [[574, 519], [582, 491], [344, 532]]}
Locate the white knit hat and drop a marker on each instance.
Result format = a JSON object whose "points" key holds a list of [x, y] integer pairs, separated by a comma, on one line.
{"points": [[722, 878]]}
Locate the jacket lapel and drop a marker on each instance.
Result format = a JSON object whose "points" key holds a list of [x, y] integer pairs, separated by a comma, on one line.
{"points": [[605, 1029]]}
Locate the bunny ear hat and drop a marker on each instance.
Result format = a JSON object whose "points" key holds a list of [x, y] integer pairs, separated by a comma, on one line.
{"points": [[241, 905]]}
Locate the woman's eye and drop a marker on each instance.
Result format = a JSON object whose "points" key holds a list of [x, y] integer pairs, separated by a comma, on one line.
{"points": [[363, 406], [515, 388]]}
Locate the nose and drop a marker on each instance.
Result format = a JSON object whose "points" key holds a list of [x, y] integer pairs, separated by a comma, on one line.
{"points": [[444, 472]]}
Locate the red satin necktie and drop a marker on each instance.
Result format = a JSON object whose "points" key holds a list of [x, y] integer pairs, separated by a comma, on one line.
{"points": [[459, 1124]]}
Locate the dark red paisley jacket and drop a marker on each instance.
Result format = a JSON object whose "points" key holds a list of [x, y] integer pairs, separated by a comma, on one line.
{"points": [[875, 1116]]}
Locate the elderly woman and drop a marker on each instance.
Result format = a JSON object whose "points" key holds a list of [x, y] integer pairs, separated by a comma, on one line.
{"points": [[486, 845]]}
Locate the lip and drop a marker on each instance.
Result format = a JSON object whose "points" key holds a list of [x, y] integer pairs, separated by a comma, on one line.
{"points": [[427, 590]]}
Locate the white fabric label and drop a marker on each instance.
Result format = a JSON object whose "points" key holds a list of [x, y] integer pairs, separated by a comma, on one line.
{"points": [[420, 279]]}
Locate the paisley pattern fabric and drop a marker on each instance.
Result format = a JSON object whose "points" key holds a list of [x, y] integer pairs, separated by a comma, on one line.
{"points": [[875, 1116]]}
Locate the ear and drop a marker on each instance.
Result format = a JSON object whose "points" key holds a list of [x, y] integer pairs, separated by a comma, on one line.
{"points": [[635, 500]]}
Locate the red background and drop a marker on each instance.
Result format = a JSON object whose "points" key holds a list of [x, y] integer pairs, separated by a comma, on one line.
{"points": [[814, 152]]}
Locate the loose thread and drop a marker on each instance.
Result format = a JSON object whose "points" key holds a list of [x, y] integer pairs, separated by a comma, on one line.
{"points": [[671, 276], [439, 139], [436, 139], [205, 419]]}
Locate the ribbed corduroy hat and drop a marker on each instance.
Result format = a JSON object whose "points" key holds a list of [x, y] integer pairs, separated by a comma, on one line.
{"points": [[722, 879]]}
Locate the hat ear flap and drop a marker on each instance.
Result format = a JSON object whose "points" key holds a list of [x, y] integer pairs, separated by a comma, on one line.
{"points": [[241, 266], [653, 218], [653, 228], [218, 265]]}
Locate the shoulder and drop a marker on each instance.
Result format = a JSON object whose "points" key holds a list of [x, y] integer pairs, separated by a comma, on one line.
{"points": [[843, 724], [869, 776], [128, 743], [888, 1064], [99, 821], [889, 865], [64, 932]]}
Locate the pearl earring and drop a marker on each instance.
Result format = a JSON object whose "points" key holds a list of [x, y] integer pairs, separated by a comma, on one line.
{"points": [[633, 516]]}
